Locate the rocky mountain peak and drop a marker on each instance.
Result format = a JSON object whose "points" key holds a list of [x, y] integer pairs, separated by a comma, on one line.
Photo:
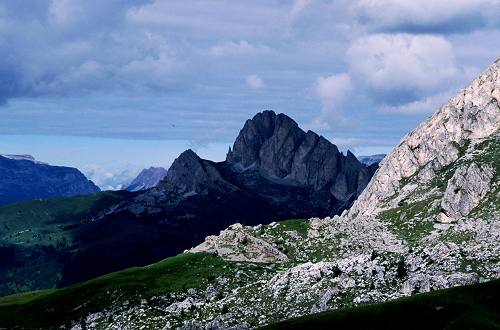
{"points": [[254, 134], [275, 145], [468, 118], [372, 159], [191, 175]]}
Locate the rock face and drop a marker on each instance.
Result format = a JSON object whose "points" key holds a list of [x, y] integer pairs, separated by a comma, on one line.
{"points": [[275, 166], [22, 178], [465, 190], [468, 117], [190, 175], [279, 149], [147, 178]]}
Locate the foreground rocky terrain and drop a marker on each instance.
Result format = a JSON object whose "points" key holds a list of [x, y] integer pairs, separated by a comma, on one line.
{"points": [[23, 178]]}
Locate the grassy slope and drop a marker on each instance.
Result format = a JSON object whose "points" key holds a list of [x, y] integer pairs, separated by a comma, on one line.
{"points": [[467, 307], [37, 236], [46, 222], [50, 308]]}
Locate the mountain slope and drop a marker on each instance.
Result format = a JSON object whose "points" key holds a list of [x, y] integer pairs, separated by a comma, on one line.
{"points": [[39, 239], [165, 281], [22, 178]]}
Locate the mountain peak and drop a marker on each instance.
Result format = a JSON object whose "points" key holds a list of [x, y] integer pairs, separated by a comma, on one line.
{"points": [[278, 148]]}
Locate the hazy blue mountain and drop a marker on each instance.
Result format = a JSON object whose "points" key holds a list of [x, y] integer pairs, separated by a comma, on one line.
{"points": [[372, 159], [23, 178], [147, 178]]}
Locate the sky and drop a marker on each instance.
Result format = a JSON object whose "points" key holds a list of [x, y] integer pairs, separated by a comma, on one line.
{"points": [[111, 87]]}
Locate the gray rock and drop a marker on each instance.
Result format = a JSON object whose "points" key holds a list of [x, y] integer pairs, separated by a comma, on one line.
{"points": [[468, 186]]}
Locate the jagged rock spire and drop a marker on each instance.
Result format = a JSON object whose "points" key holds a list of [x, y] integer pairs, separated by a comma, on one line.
{"points": [[277, 147]]}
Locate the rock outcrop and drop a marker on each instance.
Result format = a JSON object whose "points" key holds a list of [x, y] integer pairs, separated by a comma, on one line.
{"points": [[465, 190], [22, 178]]}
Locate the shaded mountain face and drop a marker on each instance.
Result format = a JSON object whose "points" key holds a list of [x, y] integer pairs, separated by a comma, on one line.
{"points": [[147, 178], [276, 168], [22, 178], [280, 151], [275, 171]]}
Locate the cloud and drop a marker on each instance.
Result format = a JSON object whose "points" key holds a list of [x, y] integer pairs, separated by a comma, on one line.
{"points": [[81, 47], [232, 48], [169, 70], [110, 178], [254, 82], [426, 105], [427, 16], [65, 11], [221, 19], [298, 7], [332, 91], [399, 68]]}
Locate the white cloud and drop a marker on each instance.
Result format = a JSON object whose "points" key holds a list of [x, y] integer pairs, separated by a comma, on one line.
{"points": [[332, 91], [254, 82], [232, 48], [402, 63], [110, 178]]}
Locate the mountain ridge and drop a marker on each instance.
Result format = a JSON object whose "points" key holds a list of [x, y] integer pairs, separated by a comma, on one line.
{"points": [[23, 178]]}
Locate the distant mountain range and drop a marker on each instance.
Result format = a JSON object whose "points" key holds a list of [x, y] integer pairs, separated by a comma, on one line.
{"points": [[372, 159], [24, 178], [274, 171], [147, 178]]}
